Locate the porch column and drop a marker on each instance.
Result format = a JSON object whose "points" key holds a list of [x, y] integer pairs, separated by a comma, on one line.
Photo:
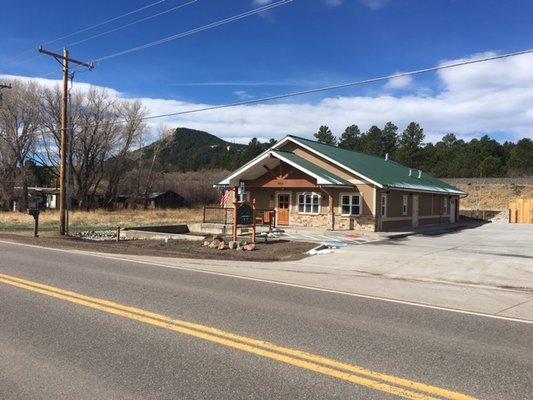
{"points": [[332, 210]]}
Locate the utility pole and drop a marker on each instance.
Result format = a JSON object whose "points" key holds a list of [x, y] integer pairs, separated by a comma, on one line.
{"points": [[64, 60]]}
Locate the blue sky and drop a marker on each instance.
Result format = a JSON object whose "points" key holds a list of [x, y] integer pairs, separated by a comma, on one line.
{"points": [[304, 44]]}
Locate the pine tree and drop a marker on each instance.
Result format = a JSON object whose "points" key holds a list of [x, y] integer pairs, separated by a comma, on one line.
{"points": [[389, 139], [410, 146], [521, 157], [372, 141], [351, 138], [324, 135]]}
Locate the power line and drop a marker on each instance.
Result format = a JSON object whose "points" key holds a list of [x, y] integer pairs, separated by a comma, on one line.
{"points": [[196, 30], [105, 22], [333, 87], [132, 23], [87, 29], [345, 85], [177, 36]]}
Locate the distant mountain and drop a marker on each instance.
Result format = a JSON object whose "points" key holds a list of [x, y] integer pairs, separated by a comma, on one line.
{"points": [[190, 150]]}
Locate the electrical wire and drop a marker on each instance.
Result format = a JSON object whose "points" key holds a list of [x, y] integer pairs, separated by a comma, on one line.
{"points": [[334, 87], [85, 30], [345, 85], [132, 23], [196, 30], [105, 22]]}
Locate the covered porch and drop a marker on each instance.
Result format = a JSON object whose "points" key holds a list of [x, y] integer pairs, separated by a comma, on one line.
{"points": [[296, 191]]}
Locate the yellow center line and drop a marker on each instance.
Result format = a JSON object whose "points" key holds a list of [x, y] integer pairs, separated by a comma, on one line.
{"points": [[351, 373]]}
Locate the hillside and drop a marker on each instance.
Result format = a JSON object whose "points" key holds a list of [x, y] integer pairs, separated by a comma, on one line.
{"points": [[492, 193], [191, 150]]}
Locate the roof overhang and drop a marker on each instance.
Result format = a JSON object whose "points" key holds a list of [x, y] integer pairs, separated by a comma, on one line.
{"points": [[421, 190], [250, 170], [331, 160]]}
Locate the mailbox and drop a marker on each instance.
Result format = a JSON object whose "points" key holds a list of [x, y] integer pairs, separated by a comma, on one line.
{"points": [[34, 212]]}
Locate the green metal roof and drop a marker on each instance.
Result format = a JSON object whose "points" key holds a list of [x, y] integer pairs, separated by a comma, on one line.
{"points": [[386, 173], [333, 180]]}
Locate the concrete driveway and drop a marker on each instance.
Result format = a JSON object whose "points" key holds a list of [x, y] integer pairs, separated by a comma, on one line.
{"points": [[319, 236], [496, 255]]}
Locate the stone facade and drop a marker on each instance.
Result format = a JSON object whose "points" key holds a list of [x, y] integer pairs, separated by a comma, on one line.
{"points": [[322, 220], [363, 223]]}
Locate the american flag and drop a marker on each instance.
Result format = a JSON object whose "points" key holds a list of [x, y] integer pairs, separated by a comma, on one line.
{"points": [[224, 198]]}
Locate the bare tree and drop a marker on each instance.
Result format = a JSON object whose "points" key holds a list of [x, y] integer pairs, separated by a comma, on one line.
{"points": [[103, 130], [19, 123], [128, 133]]}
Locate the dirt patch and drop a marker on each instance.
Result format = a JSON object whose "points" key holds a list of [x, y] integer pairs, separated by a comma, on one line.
{"points": [[271, 251]]}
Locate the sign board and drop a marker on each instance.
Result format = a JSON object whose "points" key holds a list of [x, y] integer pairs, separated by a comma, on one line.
{"points": [[245, 214]]}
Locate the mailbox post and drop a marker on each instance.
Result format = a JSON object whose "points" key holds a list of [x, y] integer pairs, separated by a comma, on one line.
{"points": [[34, 212]]}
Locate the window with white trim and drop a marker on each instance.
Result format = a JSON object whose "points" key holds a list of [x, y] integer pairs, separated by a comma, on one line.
{"points": [[445, 206], [383, 205], [308, 203], [350, 204], [405, 200]]}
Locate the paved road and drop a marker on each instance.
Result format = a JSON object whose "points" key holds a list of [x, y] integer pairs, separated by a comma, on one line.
{"points": [[58, 345]]}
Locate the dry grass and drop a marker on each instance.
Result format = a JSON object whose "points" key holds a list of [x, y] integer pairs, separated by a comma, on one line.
{"points": [[100, 219], [492, 197]]}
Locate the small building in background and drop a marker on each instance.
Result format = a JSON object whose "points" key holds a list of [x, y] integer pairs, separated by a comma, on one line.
{"points": [[168, 199], [43, 197]]}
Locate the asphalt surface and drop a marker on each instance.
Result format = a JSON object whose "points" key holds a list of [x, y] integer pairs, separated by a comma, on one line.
{"points": [[54, 349]]}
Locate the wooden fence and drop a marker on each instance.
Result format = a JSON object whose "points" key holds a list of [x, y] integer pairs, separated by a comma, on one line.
{"points": [[521, 211]]}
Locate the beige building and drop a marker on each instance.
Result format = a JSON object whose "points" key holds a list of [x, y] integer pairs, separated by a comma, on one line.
{"points": [[311, 184]]}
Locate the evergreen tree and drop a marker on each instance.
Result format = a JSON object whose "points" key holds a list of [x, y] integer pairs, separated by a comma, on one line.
{"points": [[389, 139], [490, 166], [351, 138], [324, 135], [410, 146], [521, 158], [372, 141]]}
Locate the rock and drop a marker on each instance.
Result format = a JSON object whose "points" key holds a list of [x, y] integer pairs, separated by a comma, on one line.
{"points": [[222, 246], [249, 247], [502, 217], [233, 244], [206, 243], [239, 248], [214, 244]]}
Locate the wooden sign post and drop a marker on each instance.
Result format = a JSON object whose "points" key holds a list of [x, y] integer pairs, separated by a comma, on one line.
{"points": [[253, 219], [243, 215]]}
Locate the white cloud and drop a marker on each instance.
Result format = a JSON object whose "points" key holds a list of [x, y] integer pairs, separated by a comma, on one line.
{"points": [[400, 82], [375, 4], [491, 97], [334, 3], [261, 2], [243, 94], [52, 83]]}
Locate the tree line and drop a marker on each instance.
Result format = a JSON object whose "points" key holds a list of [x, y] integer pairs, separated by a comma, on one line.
{"points": [[102, 130], [448, 158]]}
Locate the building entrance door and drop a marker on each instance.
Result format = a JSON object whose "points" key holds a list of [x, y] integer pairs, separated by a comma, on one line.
{"points": [[284, 203]]}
